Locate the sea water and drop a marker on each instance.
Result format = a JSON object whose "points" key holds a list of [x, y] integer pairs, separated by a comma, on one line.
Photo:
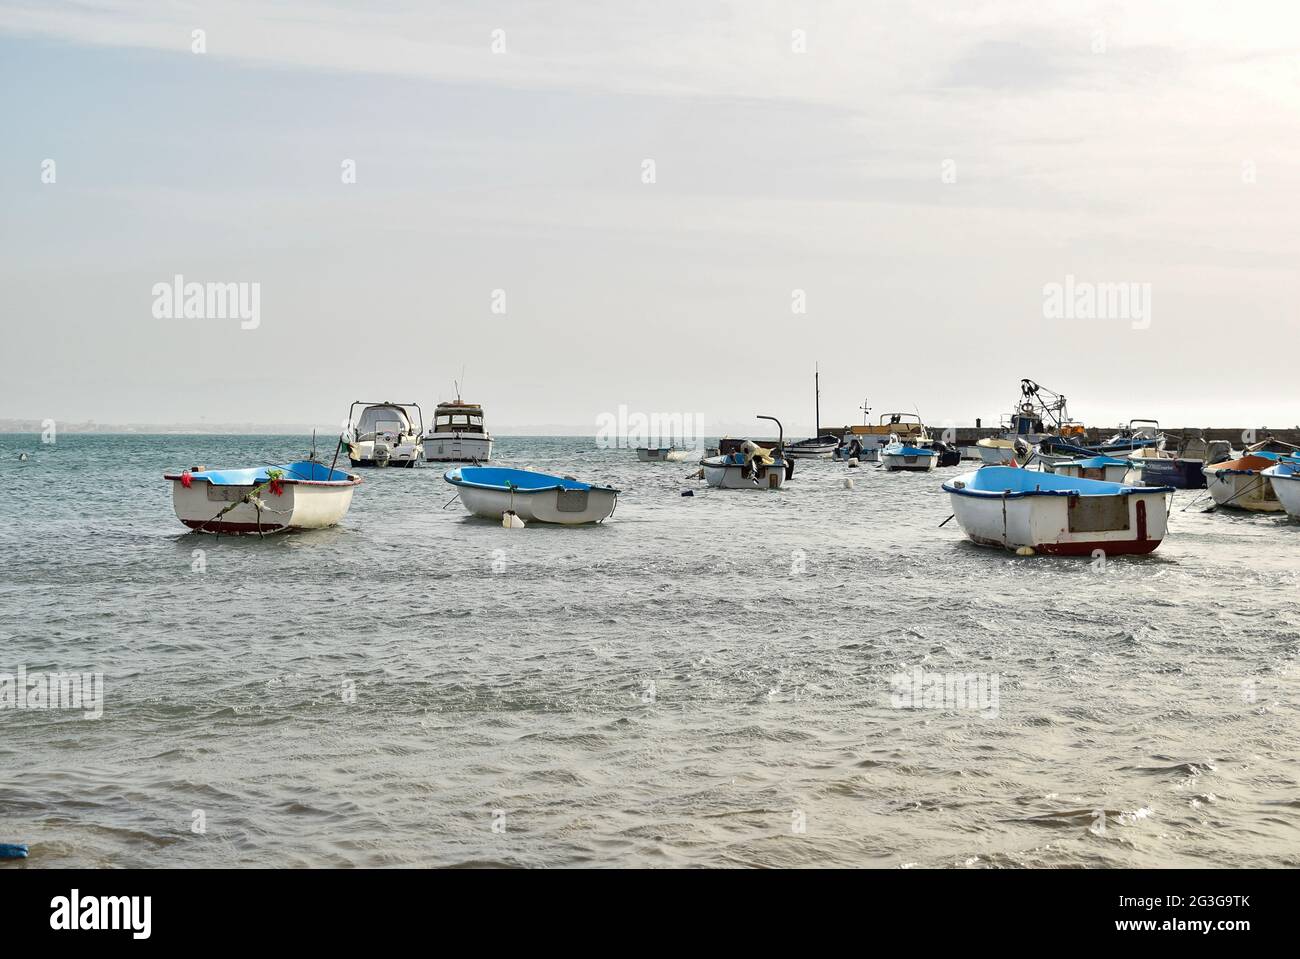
{"points": [[815, 676]]}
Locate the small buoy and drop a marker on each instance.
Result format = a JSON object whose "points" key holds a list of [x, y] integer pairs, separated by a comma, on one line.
{"points": [[510, 520], [848, 482], [688, 492], [22, 456], [853, 463], [1025, 551]]}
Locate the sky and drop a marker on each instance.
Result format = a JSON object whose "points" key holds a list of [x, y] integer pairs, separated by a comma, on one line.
{"points": [[886, 192]]}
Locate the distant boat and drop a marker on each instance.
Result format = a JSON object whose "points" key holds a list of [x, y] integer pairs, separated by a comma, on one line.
{"points": [[264, 499], [1105, 468], [1285, 481], [385, 434], [662, 454], [817, 447], [493, 491], [897, 455], [1241, 484], [458, 434], [1016, 508]]}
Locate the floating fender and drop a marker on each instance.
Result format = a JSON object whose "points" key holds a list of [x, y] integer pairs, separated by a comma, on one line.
{"points": [[1025, 551], [853, 463], [22, 456], [848, 482], [789, 468], [510, 520]]}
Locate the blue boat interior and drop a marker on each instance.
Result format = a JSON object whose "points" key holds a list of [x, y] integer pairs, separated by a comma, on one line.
{"points": [[998, 480], [522, 481], [301, 470], [907, 451]]}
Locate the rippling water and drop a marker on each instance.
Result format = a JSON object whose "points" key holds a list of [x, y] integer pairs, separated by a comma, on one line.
{"points": [[699, 681]]}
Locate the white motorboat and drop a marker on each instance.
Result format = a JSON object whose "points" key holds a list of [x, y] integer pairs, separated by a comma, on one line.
{"points": [[458, 434], [495, 492], [1049, 513], [265, 499], [899, 456], [864, 443], [385, 434]]}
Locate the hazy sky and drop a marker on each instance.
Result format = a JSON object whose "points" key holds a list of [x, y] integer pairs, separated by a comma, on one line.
{"points": [[921, 174]]}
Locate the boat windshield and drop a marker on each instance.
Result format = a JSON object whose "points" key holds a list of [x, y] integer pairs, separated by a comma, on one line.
{"points": [[459, 422], [383, 419]]}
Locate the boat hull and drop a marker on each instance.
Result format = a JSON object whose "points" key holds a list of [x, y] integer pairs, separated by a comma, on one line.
{"points": [[362, 453], [1127, 521], [1160, 471], [537, 507], [915, 462], [457, 448], [1246, 490], [731, 475], [1286, 487], [996, 452]]}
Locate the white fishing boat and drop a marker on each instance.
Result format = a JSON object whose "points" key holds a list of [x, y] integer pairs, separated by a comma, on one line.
{"points": [[458, 434], [496, 493], [1241, 484], [662, 454], [899, 456], [814, 448], [265, 499], [385, 434], [1105, 468], [750, 467], [1285, 480], [1048, 513]]}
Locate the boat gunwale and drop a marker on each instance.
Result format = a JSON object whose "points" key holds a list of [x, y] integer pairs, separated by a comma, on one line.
{"points": [[352, 480], [520, 491]]}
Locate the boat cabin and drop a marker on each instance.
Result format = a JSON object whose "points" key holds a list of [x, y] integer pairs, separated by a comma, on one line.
{"points": [[458, 417]]}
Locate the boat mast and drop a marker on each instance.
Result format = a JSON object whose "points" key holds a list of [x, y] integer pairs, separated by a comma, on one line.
{"points": [[817, 402]]}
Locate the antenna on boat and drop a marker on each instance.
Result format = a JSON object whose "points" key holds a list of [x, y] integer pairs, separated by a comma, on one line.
{"points": [[865, 411]]}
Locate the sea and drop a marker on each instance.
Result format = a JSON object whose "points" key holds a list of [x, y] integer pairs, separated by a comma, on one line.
{"points": [[825, 675]]}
